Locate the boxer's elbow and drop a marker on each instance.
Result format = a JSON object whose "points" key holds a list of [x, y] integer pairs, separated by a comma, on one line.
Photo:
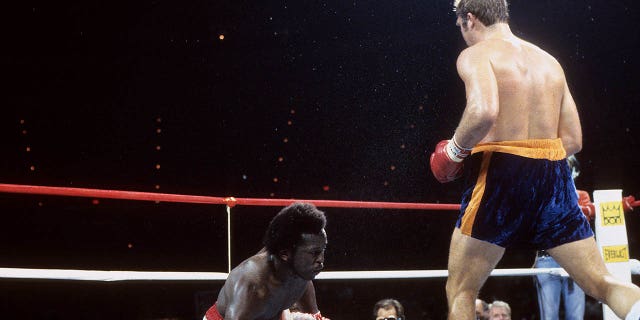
{"points": [[578, 146], [572, 145], [485, 122], [489, 118], [571, 137], [484, 115]]}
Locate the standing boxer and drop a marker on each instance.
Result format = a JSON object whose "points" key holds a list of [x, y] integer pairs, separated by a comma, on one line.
{"points": [[519, 124]]}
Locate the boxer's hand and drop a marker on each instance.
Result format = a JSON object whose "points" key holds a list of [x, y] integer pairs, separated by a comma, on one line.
{"points": [[303, 316], [588, 208], [446, 161], [628, 203], [583, 198]]}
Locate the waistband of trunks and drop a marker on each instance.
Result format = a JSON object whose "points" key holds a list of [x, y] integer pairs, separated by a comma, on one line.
{"points": [[550, 149]]}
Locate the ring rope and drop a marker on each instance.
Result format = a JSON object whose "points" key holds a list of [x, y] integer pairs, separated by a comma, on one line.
{"points": [[97, 275], [229, 201], [94, 275]]}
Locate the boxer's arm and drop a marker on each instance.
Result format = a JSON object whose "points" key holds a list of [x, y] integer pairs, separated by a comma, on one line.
{"points": [[248, 300], [569, 129], [307, 307], [307, 302], [481, 86]]}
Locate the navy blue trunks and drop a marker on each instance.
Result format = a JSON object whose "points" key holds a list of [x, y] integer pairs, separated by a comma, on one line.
{"points": [[520, 194]]}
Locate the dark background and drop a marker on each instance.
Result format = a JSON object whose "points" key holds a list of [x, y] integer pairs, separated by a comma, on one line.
{"points": [[303, 99]]}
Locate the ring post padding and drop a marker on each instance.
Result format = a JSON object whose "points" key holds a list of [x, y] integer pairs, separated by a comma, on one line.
{"points": [[611, 236]]}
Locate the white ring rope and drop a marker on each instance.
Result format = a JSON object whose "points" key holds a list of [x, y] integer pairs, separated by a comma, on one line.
{"points": [[94, 275]]}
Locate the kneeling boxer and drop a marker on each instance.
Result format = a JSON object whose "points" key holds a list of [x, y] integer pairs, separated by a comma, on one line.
{"points": [[278, 276]]}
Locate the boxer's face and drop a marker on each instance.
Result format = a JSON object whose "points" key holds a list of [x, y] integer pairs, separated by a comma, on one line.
{"points": [[308, 255]]}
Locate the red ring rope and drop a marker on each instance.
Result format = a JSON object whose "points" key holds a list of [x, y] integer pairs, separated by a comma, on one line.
{"points": [[229, 201]]}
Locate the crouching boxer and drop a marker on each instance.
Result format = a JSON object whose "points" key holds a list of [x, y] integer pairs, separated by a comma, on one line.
{"points": [[268, 283]]}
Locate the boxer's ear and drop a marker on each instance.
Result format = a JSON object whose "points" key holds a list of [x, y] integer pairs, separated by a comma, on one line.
{"points": [[284, 255], [469, 21]]}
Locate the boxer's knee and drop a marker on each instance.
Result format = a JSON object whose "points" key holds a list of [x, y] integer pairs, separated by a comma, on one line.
{"points": [[457, 291]]}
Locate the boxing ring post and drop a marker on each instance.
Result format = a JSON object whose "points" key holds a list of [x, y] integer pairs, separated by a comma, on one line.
{"points": [[230, 203], [611, 236], [228, 239]]}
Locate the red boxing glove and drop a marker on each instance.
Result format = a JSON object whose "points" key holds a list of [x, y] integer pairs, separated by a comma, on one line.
{"points": [[588, 208], [446, 160], [628, 203]]}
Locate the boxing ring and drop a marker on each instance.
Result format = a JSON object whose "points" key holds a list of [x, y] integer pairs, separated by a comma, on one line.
{"points": [[229, 203]]}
